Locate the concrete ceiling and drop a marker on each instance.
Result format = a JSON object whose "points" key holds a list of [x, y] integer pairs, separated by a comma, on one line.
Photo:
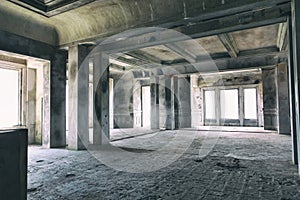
{"points": [[224, 29], [256, 38], [87, 20]]}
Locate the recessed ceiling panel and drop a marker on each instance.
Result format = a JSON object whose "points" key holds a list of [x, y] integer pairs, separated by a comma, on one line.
{"points": [[212, 44], [257, 37]]}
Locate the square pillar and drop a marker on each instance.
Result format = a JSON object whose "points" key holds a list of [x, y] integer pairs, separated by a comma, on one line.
{"points": [[295, 20], [154, 87], [196, 103], [101, 123], [169, 99], [78, 75], [123, 102], [270, 96], [54, 127], [184, 102], [292, 96], [283, 99]]}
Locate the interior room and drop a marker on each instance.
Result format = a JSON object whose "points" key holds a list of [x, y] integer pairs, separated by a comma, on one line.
{"points": [[127, 99]]}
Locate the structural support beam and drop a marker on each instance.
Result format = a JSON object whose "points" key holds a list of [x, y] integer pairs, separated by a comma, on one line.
{"points": [[169, 95], [184, 102], [101, 99], [295, 19], [270, 95], [283, 99], [141, 55], [197, 29], [226, 64], [154, 89], [179, 48], [293, 95], [230, 44], [56, 102], [282, 41], [78, 75]]}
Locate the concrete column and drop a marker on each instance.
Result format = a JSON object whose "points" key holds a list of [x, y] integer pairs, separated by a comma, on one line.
{"points": [[162, 102], [196, 103], [292, 96], [57, 100], [295, 18], [176, 102], [101, 99], [31, 86], [241, 106], [78, 75], [154, 87], [270, 96], [283, 99], [137, 104], [123, 102], [184, 92], [169, 99]]}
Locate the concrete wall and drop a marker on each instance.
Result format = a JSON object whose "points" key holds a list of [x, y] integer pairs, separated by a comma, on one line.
{"points": [[123, 103], [13, 164]]}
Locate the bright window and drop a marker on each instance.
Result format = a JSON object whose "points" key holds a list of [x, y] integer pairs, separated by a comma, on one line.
{"points": [[250, 105], [210, 104], [9, 98], [229, 100]]}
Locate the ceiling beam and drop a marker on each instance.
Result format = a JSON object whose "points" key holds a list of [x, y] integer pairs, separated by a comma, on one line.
{"points": [[238, 22], [257, 61], [230, 44], [282, 36], [143, 56], [152, 37], [247, 59], [181, 51]]}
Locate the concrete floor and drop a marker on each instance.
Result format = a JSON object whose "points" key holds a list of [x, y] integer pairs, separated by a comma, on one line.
{"points": [[239, 166]]}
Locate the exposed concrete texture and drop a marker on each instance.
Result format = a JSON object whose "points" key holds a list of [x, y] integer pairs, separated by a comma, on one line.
{"points": [[162, 102], [283, 99], [78, 77], [184, 102], [169, 96], [20, 21], [293, 94], [240, 166], [101, 98], [137, 104], [155, 115], [76, 25], [295, 21], [124, 95], [58, 100], [13, 164], [31, 124], [39, 104], [46, 130], [196, 103], [17, 44], [270, 95]]}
